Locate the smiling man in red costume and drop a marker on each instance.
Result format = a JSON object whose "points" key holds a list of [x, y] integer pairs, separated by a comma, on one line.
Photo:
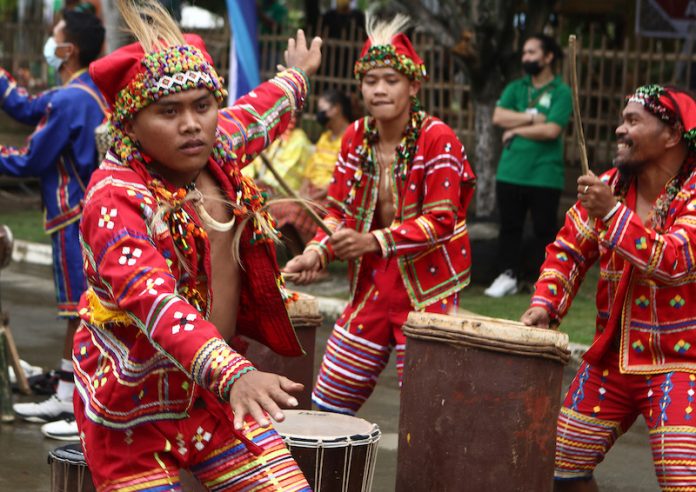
{"points": [[639, 222]]}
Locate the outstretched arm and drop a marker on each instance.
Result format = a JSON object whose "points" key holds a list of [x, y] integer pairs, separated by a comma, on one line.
{"points": [[19, 104], [261, 116]]}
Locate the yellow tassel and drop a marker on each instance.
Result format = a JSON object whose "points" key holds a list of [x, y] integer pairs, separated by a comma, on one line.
{"points": [[101, 315]]}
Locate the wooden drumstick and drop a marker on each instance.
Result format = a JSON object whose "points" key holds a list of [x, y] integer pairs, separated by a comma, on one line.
{"points": [[577, 120], [22, 381], [312, 214]]}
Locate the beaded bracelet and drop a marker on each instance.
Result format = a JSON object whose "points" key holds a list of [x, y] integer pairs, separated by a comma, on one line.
{"points": [[225, 393]]}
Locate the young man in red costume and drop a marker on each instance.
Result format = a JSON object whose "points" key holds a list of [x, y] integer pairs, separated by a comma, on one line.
{"points": [[397, 206], [179, 260], [639, 221]]}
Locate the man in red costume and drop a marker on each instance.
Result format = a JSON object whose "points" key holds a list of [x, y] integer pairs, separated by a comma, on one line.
{"points": [[397, 206], [179, 259], [639, 221]]}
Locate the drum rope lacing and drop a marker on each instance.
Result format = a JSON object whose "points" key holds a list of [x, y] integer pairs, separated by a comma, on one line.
{"points": [[348, 443]]}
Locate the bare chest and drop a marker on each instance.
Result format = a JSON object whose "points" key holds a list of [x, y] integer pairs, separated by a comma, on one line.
{"points": [[224, 270]]}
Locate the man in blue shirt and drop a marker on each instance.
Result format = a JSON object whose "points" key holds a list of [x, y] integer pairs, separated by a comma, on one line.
{"points": [[62, 153]]}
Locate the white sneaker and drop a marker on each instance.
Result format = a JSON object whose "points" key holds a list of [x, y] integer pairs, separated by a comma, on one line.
{"points": [[45, 411], [29, 371], [505, 284], [62, 430]]}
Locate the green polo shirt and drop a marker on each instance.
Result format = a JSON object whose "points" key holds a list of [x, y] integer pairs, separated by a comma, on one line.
{"points": [[536, 162]]}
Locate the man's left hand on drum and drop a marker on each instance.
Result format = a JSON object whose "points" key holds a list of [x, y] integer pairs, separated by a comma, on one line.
{"points": [[258, 394]]}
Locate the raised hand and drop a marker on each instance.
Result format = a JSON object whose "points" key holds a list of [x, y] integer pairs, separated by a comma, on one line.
{"points": [[595, 195], [299, 55]]}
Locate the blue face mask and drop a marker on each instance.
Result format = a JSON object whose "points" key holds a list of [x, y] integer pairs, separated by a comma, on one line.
{"points": [[49, 53]]}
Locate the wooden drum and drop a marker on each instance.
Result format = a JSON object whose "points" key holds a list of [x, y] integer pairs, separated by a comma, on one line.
{"points": [[479, 404], [69, 472], [336, 453], [305, 317]]}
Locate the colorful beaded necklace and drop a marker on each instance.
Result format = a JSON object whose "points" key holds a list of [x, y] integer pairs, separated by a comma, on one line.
{"points": [[405, 151]]}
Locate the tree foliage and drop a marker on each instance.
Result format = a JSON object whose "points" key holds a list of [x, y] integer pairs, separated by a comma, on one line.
{"points": [[481, 34]]}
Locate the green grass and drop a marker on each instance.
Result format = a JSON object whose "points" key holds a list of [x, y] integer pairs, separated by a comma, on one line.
{"points": [[26, 225], [579, 323]]}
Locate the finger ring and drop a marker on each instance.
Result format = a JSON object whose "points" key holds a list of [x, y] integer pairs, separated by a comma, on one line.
{"points": [[587, 187]]}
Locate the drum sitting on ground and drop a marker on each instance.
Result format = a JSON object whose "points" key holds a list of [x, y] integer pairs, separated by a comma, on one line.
{"points": [[337, 453], [305, 317], [69, 472], [479, 404]]}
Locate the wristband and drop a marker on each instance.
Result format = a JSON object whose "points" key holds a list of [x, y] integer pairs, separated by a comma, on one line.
{"points": [[611, 213]]}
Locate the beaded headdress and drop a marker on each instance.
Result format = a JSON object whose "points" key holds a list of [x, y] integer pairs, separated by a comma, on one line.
{"points": [[132, 79], [387, 47], [673, 107]]}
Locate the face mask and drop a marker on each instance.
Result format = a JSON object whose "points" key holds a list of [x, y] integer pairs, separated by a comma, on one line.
{"points": [[49, 53], [322, 118], [532, 68]]}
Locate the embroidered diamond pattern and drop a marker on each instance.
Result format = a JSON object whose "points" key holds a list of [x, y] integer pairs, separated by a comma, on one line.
{"points": [[642, 301], [448, 147], [152, 285], [129, 257], [140, 196], [553, 289], [641, 243], [106, 216], [638, 346], [201, 438], [562, 256], [677, 301], [183, 322], [447, 183], [682, 346], [129, 436], [182, 79], [181, 444]]}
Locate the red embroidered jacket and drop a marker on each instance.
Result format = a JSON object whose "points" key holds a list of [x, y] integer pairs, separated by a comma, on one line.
{"points": [[143, 349], [428, 236], [646, 295]]}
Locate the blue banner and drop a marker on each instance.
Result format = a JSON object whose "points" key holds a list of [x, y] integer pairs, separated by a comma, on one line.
{"points": [[244, 48]]}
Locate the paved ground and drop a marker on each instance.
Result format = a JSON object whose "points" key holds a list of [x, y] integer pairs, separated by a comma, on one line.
{"points": [[26, 293]]}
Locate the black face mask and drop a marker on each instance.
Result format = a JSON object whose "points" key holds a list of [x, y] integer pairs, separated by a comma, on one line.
{"points": [[532, 68], [322, 119]]}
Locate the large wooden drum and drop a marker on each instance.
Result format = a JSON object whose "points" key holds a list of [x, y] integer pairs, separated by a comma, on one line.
{"points": [[479, 404], [305, 317]]}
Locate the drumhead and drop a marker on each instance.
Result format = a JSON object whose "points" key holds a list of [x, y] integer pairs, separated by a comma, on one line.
{"points": [[474, 326], [307, 428], [304, 306], [72, 453]]}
